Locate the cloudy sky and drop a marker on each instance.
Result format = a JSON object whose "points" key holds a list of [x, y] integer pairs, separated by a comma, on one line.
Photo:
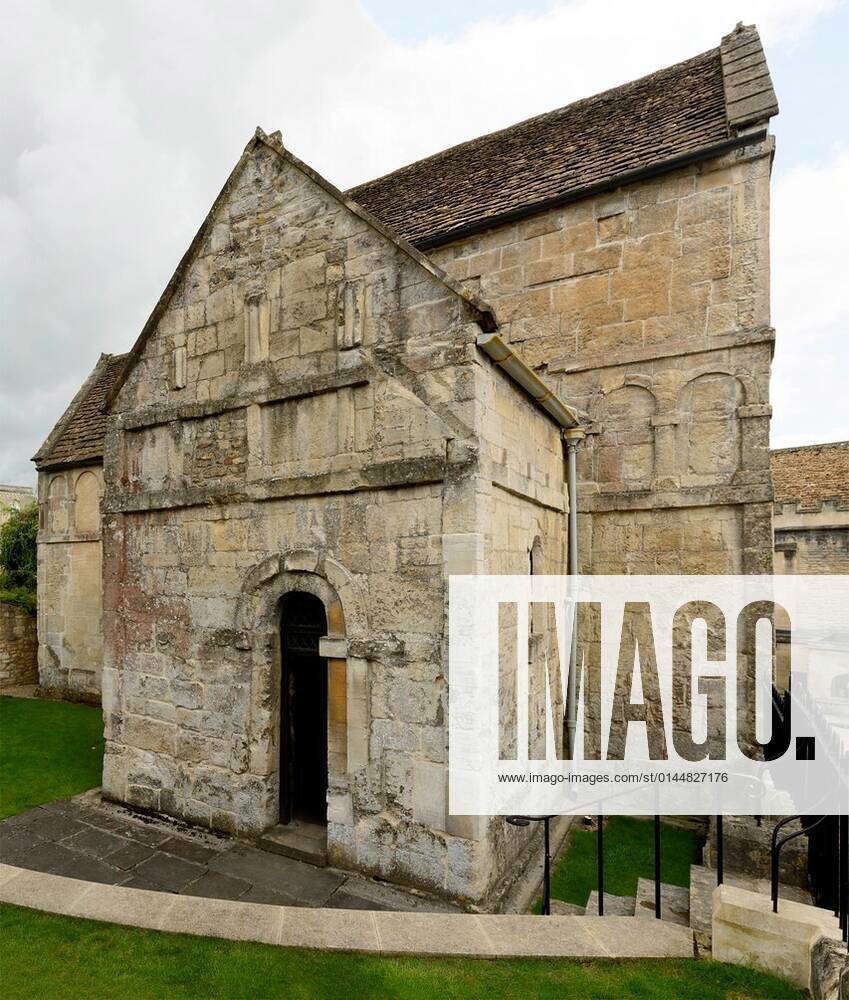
{"points": [[120, 122]]}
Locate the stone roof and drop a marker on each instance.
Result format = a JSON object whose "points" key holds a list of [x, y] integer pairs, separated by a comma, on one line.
{"points": [[809, 475], [674, 115], [78, 436]]}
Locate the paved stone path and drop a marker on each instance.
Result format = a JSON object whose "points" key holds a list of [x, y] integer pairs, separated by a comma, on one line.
{"points": [[74, 839]]}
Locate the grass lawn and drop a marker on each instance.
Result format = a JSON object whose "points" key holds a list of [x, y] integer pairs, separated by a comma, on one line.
{"points": [[43, 955], [51, 750], [628, 855], [48, 750]]}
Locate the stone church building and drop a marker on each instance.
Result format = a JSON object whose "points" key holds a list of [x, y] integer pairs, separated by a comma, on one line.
{"points": [[342, 398]]}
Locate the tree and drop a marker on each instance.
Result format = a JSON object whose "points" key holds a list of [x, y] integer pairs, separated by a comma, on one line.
{"points": [[18, 556]]}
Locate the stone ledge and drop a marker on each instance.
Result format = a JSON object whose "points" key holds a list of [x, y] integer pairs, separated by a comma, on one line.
{"points": [[392, 474], [568, 365], [690, 496], [378, 932], [311, 385], [754, 410]]}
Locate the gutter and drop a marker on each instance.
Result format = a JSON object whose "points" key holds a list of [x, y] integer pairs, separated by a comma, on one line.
{"points": [[434, 240], [573, 438], [493, 346], [69, 463]]}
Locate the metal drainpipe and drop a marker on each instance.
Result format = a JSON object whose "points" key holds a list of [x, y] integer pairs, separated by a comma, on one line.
{"points": [[573, 438]]}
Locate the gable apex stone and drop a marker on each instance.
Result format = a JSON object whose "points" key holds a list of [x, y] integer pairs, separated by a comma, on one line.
{"points": [[479, 311]]}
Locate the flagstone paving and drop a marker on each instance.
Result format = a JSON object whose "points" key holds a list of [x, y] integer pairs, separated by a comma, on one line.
{"points": [[106, 845]]}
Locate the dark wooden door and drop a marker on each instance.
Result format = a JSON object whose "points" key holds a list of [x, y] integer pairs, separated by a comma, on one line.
{"points": [[303, 707]]}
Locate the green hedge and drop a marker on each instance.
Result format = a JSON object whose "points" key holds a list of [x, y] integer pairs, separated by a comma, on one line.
{"points": [[25, 599]]}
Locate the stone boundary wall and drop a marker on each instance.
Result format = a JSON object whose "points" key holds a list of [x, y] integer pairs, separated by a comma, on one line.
{"points": [[18, 646], [747, 932], [812, 539], [13, 498], [466, 935]]}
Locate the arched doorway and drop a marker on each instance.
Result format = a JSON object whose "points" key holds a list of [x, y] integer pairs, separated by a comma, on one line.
{"points": [[303, 710]]}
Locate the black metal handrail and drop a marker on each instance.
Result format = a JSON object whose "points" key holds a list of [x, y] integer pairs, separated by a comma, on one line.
{"points": [[843, 869], [720, 852], [600, 862], [777, 845], [657, 867], [600, 865], [837, 842], [546, 869]]}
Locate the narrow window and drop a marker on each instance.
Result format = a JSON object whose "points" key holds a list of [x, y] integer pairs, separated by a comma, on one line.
{"points": [[178, 380], [256, 327]]}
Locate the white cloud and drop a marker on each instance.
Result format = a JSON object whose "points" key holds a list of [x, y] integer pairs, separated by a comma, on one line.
{"points": [[121, 121], [810, 248]]}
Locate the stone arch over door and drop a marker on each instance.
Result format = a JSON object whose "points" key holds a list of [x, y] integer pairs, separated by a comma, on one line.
{"points": [[709, 430], [624, 449], [258, 626]]}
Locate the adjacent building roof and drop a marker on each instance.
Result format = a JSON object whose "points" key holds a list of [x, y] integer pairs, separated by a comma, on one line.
{"points": [[672, 116], [78, 436], [809, 475]]}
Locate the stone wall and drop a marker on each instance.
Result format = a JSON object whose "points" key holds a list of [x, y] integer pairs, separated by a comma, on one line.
{"points": [[809, 538], [14, 497], [309, 413], [811, 541], [70, 629], [18, 647], [648, 307]]}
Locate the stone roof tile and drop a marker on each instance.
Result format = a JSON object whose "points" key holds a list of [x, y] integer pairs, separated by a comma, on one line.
{"points": [[659, 119], [78, 437]]}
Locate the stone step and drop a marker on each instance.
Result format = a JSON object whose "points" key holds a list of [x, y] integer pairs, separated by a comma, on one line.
{"points": [[614, 906], [299, 840], [561, 908], [703, 882], [674, 902], [451, 934]]}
